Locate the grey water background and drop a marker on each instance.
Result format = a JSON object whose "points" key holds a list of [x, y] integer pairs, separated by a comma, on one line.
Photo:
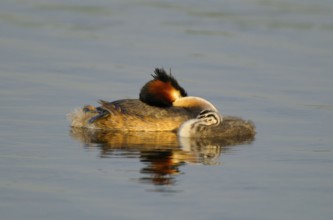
{"points": [[269, 61]]}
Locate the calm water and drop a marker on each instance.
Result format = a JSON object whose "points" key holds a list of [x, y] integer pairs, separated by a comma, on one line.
{"points": [[265, 60]]}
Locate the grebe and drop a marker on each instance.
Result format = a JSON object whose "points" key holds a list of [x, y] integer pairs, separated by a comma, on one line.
{"points": [[208, 124], [163, 105]]}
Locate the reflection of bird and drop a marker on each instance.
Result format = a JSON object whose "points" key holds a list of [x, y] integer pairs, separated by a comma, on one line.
{"points": [[162, 153], [161, 167], [163, 106]]}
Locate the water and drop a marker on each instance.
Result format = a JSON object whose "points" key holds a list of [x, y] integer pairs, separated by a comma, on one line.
{"points": [[265, 60]]}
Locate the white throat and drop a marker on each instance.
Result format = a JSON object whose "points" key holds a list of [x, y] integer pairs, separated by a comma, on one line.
{"points": [[194, 102]]}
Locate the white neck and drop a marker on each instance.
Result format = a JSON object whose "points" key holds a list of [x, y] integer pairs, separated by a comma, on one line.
{"points": [[194, 102]]}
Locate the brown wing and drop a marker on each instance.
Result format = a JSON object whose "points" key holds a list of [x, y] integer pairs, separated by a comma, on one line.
{"points": [[133, 114], [135, 107]]}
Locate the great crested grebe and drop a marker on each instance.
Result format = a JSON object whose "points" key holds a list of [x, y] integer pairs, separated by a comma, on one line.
{"points": [[163, 106]]}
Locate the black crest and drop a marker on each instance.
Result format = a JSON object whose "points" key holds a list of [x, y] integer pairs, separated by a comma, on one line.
{"points": [[161, 74], [156, 99]]}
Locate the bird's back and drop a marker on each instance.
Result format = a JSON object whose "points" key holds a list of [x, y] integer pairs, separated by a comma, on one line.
{"points": [[133, 114]]}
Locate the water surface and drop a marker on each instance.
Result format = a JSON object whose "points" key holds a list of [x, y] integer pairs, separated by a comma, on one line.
{"points": [[265, 60]]}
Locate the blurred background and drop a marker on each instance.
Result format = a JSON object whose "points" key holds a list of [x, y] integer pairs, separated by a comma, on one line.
{"points": [[269, 61]]}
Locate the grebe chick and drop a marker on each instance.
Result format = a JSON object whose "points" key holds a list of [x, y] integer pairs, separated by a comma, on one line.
{"points": [[194, 127], [208, 124]]}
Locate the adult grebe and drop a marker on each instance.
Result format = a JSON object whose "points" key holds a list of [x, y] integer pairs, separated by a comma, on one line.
{"points": [[163, 106]]}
